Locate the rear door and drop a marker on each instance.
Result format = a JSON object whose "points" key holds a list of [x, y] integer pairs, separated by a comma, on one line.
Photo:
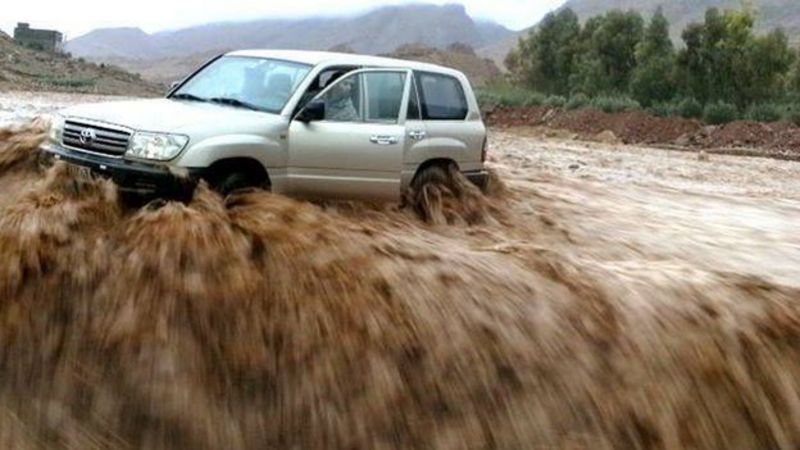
{"points": [[453, 131], [357, 150]]}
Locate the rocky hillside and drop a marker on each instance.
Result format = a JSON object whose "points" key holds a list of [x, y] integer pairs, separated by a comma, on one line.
{"points": [[379, 31], [457, 56], [25, 69], [770, 14], [165, 70]]}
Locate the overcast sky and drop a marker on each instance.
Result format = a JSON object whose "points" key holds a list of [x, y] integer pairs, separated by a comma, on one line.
{"points": [[76, 17]]}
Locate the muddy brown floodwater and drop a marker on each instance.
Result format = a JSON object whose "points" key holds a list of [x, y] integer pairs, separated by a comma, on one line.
{"points": [[604, 297]]}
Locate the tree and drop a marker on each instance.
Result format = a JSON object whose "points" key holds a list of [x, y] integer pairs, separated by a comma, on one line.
{"points": [[793, 79], [608, 53], [544, 60], [769, 61], [652, 80], [724, 61]]}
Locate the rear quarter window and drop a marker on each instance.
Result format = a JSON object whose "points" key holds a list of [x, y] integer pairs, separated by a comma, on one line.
{"points": [[442, 97]]}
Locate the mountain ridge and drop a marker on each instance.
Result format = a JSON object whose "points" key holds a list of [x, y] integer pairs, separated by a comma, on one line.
{"points": [[380, 30]]}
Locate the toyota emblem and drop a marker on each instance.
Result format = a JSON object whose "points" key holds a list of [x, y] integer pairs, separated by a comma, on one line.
{"points": [[87, 136]]}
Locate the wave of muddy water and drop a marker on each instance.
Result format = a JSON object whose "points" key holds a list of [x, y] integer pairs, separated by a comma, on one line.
{"points": [[613, 298]]}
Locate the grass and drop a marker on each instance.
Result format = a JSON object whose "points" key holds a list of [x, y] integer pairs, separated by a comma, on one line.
{"points": [[720, 113], [69, 82], [578, 101], [615, 104], [507, 95]]}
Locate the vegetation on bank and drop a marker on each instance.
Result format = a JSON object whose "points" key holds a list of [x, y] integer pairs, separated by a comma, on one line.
{"points": [[617, 62], [22, 68]]}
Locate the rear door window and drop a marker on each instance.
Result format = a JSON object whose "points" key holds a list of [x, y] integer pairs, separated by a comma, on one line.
{"points": [[384, 95], [442, 97]]}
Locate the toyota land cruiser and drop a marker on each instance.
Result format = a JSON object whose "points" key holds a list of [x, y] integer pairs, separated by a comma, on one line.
{"points": [[309, 124]]}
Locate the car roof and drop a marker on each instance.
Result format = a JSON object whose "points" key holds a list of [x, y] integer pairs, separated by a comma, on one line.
{"points": [[315, 58]]}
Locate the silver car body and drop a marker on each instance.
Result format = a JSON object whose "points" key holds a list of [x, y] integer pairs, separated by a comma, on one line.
{"points": [[358, 160]]}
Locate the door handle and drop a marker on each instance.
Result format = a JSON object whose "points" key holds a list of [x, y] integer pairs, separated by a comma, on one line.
{"points": [[417, 135], [384, 140]]}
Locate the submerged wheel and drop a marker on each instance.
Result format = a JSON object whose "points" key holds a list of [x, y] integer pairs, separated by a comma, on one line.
{"points": [[231, 182], [435, 174], [426, 191], [235, 181]]}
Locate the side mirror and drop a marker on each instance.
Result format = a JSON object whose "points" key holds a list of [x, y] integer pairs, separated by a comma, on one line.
{"points": [[313, 111]]}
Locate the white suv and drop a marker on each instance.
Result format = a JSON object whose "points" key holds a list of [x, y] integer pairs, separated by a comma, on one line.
{"points": [[308, 124]]}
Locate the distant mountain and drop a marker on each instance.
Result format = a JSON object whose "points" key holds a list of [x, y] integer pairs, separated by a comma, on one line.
{"points": [[457, 56], [113, 42], [378, 31], [770, 14]]}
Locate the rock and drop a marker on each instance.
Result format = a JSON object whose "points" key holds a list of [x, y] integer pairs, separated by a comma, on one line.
{"points": [[574, 166], [684, 140], [549, 115], [607, 137], [702, 156]]}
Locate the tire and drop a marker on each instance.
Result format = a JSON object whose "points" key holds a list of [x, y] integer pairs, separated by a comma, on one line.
{"points": [[426, 190], [435, 174], [237, 181]]}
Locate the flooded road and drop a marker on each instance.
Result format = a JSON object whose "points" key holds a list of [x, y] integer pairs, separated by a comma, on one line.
{"points": [[603, 297], [16, 106], [725, 214]]}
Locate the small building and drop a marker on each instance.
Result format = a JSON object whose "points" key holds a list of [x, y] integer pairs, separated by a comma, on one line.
{"points": [[49, 40]]}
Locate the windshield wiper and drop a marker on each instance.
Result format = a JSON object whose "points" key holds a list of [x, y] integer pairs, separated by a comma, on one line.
{"points": [[235, 102], [185, 96]]}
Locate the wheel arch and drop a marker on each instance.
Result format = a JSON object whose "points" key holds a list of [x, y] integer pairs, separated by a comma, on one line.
{"points": [[443, 162], [221, 167]]}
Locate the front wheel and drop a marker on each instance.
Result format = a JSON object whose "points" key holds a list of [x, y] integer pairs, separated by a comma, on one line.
{"points": [[237, 181]]}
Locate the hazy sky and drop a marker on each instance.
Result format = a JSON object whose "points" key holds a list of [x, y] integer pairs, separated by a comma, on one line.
{"points": [[76, 17]]}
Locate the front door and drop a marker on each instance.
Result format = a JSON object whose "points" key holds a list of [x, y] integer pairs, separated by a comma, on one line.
{"points": [[356, 151]]}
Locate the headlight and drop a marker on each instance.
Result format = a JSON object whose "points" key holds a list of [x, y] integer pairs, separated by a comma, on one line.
{"points": [[158, 146], [56, 129]]}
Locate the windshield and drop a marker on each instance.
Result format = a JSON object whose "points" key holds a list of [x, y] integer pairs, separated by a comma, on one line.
{"points": [[239, 81]]}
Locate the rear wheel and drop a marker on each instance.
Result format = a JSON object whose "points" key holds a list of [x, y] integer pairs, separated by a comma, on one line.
{"points": [[427, 189]]}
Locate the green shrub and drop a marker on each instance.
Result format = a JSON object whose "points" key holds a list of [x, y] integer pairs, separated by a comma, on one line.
{"points": [[578, 101], [764, 112], [719, 113], [614, 104], [508, 96], [690, 108], [533, 99], [487, 99], [555, 101], [68, 82], [791, 113], [664, 109]]}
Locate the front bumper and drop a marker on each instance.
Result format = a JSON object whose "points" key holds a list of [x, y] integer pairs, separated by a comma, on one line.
{"points": [[130, 176]]}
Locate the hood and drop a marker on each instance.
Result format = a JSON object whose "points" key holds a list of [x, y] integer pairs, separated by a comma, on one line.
{"points": [[175, 116]]}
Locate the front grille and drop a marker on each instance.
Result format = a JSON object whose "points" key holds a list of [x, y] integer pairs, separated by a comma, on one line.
{"points": [[99, 139]]}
